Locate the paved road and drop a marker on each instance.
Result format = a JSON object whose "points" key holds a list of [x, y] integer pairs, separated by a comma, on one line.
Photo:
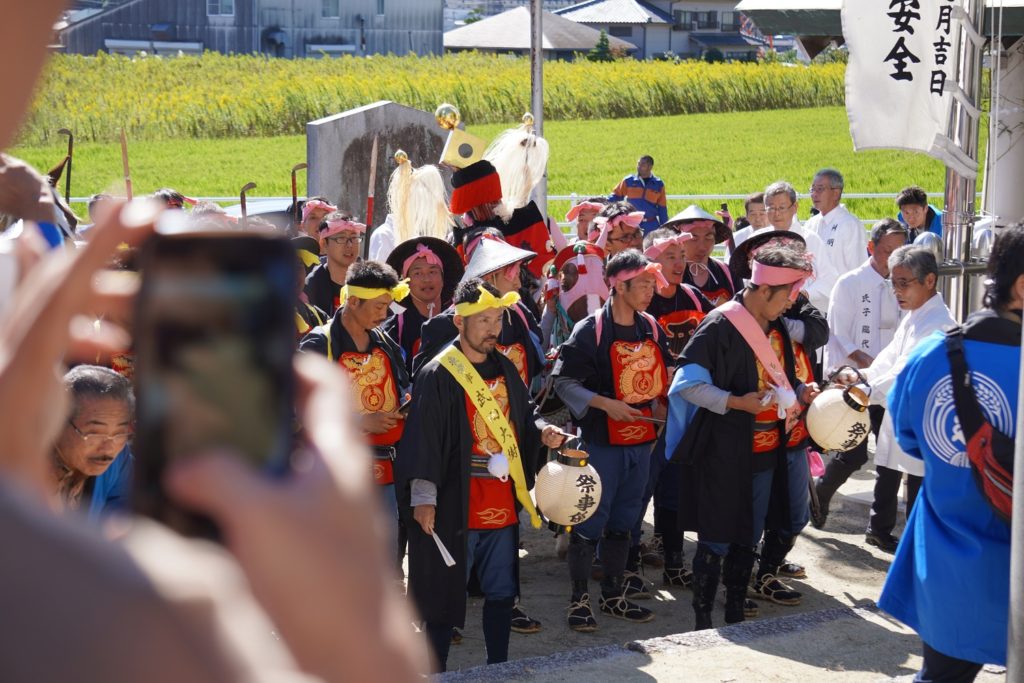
{"points": [[834, 634]]}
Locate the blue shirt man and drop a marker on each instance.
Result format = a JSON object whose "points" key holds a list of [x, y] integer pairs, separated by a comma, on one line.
{"points": [[646, 192]]}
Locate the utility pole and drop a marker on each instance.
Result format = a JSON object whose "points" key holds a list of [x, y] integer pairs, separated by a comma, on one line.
{"points": [[537, 90]]}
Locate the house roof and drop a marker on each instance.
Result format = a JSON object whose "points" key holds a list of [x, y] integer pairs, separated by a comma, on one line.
{"points": [[511, 31], [615, 12], [724, 40], [822, 17]]}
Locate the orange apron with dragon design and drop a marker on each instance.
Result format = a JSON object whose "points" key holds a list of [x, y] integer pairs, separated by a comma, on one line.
{"points": [[517, 354], [377, 391], [639, 376], [491, 501]]}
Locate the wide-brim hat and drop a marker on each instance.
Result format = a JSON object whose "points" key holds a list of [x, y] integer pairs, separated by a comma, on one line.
{"points": [[739, 261], [493, 254], [451, 262], [694, 213]]}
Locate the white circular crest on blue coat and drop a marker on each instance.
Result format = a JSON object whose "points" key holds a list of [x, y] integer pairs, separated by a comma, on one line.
{"points": [[942, 431]]}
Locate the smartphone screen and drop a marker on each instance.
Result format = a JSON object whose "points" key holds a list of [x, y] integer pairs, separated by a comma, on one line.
{"points": [[215, 340]]}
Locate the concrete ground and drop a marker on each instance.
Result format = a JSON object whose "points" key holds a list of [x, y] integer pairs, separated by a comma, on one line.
{"points": [[836, 633]]}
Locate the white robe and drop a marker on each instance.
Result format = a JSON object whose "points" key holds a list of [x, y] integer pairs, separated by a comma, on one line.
{"points": [[844, 238], [825, 275], [921, 323], [382, 240], [862, 316]]}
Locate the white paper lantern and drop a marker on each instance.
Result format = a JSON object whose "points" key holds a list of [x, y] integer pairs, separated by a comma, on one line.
{"points": [[838, 418], [568, 489]]}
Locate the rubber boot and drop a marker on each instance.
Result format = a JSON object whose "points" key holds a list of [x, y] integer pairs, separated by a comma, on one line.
{"points": [[736, 569], [707, 568], [497, 623]]}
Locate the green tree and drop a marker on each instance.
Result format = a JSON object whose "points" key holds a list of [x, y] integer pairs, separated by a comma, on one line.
{"points": [[714, 55], [475, 15], [602, 52]]}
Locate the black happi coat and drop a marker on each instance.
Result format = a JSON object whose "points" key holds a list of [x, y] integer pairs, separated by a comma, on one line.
{"points": [[321, 290], [588, 360], [815, 323], [341, 342], [440, 330], [440, 453], [716, 452], [404, 328]]}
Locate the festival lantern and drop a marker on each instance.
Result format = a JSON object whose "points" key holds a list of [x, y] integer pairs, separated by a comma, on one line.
{"points": [[838, 418], [568, 489]]}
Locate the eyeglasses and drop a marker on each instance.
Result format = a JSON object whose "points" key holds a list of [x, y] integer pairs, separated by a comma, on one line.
{"points": [[820, 188], [345, 241], [119, 437], [903, 283], [628, 237], [777, 209]]}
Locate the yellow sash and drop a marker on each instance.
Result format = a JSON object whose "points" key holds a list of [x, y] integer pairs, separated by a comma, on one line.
{"points": [[455, 362]]}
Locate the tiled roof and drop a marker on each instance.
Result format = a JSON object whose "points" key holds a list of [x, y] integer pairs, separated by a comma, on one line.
{"points": [[615, 12], [511, 31]]}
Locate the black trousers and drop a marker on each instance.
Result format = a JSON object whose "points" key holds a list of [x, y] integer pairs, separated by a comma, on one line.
{"points": [[887, 491], [940, 668]]}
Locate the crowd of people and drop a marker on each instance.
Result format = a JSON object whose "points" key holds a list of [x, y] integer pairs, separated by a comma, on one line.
{"points": [[436, 378]]}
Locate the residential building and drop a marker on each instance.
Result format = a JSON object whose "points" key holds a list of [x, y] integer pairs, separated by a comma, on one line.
{"points": [[510, 33], [279, 28], [663, 28]]}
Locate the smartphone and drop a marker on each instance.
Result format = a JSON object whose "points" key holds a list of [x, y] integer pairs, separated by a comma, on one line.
{"points": [[214, 340], [725, 207]]}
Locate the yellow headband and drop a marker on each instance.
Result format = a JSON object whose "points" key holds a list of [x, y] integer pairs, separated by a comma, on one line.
{"points": [[486, 301], [398, 292]]}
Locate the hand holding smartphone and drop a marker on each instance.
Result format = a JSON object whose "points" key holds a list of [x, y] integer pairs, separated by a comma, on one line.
{"points": [[214, 341]]}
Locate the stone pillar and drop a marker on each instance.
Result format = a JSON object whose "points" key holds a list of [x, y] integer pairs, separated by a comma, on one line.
{"points": [[338, 153]]}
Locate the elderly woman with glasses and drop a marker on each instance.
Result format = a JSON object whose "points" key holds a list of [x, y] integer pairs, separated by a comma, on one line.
{"points": [[95, 435]]}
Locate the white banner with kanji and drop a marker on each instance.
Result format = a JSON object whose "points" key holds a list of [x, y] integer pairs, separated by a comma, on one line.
{"points": [[902, 54]]}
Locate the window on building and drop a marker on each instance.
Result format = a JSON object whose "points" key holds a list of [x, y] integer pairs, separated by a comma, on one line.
{"points": [[620, 31], [694, 21], [380, 7], [731, 21], [330, 9], [220, 8]]}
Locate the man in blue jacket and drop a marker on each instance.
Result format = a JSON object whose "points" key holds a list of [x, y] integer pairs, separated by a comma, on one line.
{"points": [[646, 192], [950, 578], [916, 213]]}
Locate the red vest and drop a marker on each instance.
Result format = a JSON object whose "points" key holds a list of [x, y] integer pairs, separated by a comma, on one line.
{"points": [[517, 354], [376, 390], [767, 433], [639, 376], [491, 501]]}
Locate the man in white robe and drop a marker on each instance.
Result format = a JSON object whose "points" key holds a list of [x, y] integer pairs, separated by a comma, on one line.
{"points": [[862, 319], [842, 233], [913, 273], [781, 203]]}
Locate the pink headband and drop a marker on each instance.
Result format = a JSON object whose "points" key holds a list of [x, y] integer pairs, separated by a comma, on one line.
{"points": [[575, 211], [341, 225], [308, 207], [633, 220], [650, 269], [773, 276], [423, 252], [660, 245], [606, 224]]}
